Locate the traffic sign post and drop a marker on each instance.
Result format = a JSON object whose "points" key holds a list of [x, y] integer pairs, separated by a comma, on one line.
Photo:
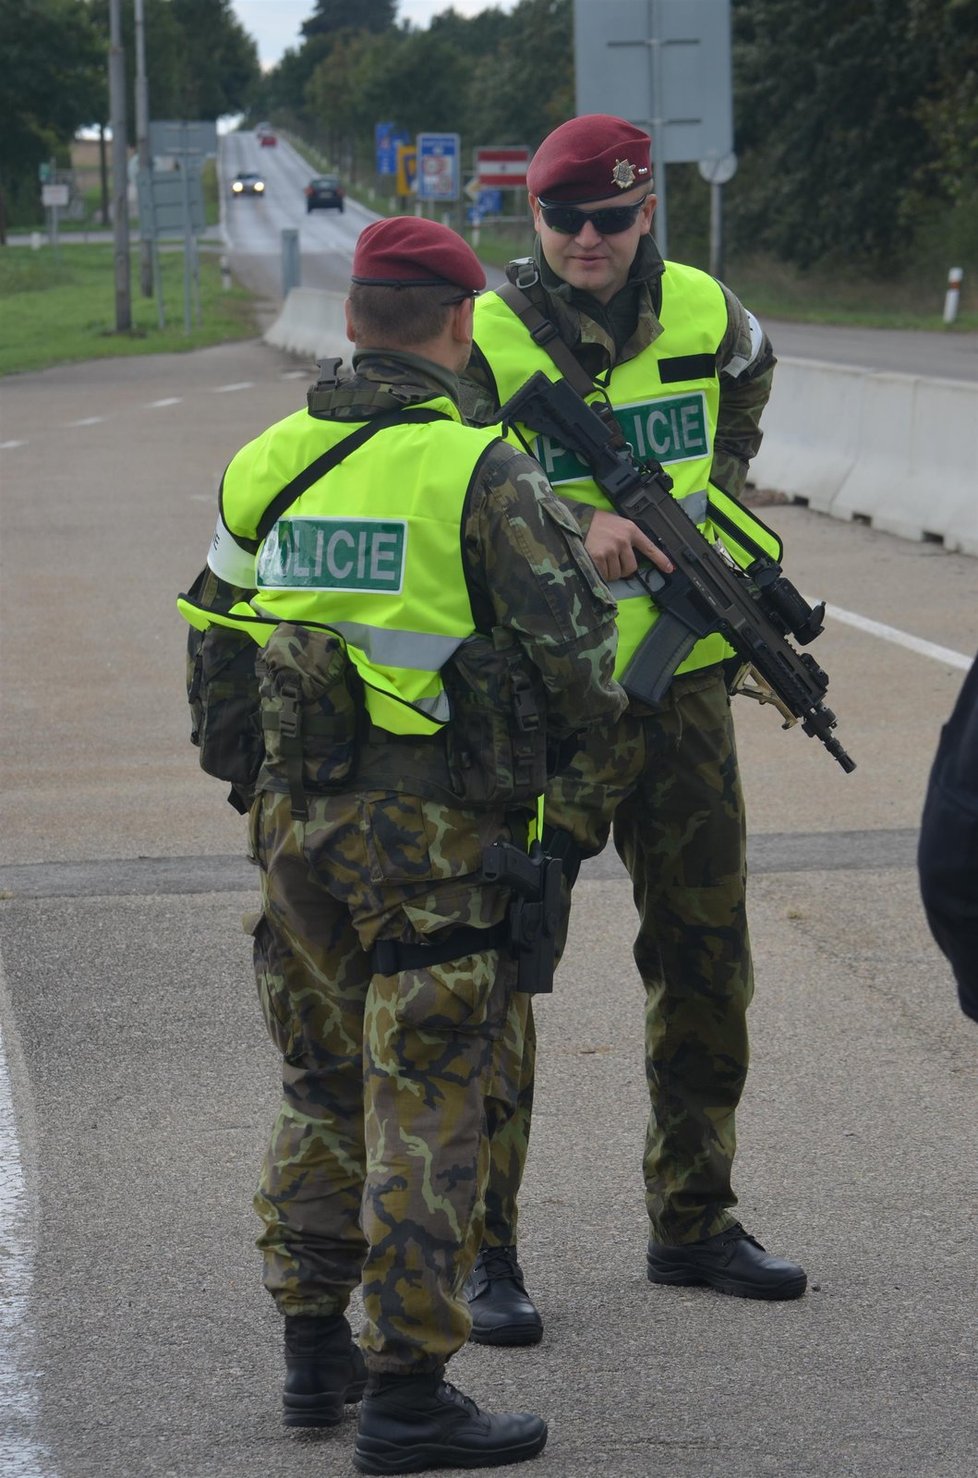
{"points": [[438, 166], [502, 167], [407, 169], [387, 141], [665, 65]]}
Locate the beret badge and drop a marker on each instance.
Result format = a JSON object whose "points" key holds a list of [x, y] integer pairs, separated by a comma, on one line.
{"points": [[623, 174]]}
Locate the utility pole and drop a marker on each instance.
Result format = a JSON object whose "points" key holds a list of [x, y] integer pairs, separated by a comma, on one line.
{"points": [[142, 143], [120, 173]]}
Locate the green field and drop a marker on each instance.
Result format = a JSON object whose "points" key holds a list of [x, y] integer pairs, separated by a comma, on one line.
{"points": [[59, 305]]}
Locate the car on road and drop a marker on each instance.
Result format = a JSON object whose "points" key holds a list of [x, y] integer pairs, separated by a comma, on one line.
{"points": [[324, 192], [248, 182], [267, 140]]}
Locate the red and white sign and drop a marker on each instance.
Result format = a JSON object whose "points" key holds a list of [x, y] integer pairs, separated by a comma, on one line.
{"points": [[503, 168]]}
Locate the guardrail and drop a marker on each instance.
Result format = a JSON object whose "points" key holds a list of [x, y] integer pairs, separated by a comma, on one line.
{"points": [[898, 452]]}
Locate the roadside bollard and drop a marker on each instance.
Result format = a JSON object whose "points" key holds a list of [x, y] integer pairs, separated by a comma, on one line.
{"points": [[225, 275], [291, 267], [953, 295]]}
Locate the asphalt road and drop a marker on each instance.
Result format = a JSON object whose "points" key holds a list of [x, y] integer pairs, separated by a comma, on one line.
{"points": [[134, 1336]]}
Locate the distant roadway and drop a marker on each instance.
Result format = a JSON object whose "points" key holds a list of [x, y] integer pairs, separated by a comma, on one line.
{"points": [[326, 240]]}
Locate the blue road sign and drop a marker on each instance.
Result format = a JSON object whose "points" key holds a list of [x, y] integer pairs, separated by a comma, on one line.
{"points": [[438, 166], [489, 202], [386, 139]]}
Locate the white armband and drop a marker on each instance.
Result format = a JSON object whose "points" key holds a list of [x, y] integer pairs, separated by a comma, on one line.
{"points": [[737, 363], [228, 560]]}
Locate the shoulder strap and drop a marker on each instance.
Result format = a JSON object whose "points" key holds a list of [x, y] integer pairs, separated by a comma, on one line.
{"points": [[543, 332], [332, 458]]}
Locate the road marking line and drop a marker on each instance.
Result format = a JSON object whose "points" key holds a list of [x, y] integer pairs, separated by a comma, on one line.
{"points": [[151, 405], [900, 638], [6, 446], [86, 421], [241, 385]]}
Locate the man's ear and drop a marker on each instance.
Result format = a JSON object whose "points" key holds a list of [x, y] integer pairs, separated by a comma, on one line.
{"points": [[350, 330], [462, 321], [535, 208]]}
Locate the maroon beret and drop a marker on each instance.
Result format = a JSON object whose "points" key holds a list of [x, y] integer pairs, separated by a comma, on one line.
{"points": [[593, 157], [409, 251]]}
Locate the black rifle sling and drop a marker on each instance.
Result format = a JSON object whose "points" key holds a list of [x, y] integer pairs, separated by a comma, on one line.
{"points": [[329, 460], [543, 332]]}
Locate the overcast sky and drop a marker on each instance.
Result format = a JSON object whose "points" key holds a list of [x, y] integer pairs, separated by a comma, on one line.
{"points": [[275, 23]]}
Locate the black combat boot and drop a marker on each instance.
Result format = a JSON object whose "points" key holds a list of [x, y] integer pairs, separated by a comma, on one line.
{"points": [[410, 1423], [324, 1371], [732, 1261], [502, 1311]]}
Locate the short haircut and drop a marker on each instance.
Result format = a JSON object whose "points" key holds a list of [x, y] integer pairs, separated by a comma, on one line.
{"points": [[385, 317]]}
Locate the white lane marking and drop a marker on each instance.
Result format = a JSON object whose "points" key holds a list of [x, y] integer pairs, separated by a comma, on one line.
{"points": [[86, 421], [900, 638], [241, 385], [295, 374], [21, 1454], [6, 446], [151, 405]]}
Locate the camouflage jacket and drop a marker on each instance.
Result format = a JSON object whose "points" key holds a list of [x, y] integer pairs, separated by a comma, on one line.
{"points": [[602, 336]]}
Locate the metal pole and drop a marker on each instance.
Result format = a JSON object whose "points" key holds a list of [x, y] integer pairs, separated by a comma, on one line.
{"points": [[120, 177], [142, 141], [716, 230], [187, 229], [659, 220]]}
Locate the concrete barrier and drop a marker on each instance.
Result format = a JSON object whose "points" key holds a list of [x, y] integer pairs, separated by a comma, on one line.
{"points": [[899, 452], [311, 322]]}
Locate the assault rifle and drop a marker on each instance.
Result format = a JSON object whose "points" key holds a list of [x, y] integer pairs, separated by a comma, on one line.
{"points": [[754, 609]]}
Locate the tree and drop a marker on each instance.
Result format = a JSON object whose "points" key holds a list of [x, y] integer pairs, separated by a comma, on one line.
{"points": [[333, 16], [828, 127], [52, 81]]}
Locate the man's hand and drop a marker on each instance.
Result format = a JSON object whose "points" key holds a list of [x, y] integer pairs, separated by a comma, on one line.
{"points": [[615, 544]]}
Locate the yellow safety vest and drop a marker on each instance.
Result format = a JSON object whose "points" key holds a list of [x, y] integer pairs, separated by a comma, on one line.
{"points": [[666, 400], [372, 551]]}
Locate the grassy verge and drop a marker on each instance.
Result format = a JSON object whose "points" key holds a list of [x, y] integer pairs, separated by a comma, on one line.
{"points": [[61, 306]]}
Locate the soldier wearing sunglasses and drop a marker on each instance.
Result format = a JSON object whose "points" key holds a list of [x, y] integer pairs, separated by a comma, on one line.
{"points": [[688, 371]]}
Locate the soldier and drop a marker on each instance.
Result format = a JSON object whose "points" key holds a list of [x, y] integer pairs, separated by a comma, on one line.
{"points": [[688, 371], [947, 856], [430, 629]]}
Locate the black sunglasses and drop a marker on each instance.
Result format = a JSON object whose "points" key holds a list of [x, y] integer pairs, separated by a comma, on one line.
{"points": [[568, 220]]}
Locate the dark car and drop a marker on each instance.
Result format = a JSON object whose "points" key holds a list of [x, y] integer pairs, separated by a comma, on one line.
{"points": [[324, 192], [248, 183]]}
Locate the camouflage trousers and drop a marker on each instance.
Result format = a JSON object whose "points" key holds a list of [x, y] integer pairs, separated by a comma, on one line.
{"points": [[376, 1168], [667, 787]]}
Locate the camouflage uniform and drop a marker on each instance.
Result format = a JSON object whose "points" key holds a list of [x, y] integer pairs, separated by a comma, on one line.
{"points": [[377, 1162], [667, 782]]}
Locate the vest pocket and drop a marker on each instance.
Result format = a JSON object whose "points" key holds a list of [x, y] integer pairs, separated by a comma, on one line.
{"points": [[496, 740], [222, 688], [310, 709]]}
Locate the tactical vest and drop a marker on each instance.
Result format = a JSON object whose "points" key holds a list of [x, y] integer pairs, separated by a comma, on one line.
{"points": [[373, 551], [666, 400]]}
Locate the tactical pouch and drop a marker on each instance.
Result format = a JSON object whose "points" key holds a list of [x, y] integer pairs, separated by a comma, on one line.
{"points": [[222, 689], [311, 712], [496, 741]]}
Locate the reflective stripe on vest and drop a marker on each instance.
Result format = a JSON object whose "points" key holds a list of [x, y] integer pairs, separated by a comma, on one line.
{"points": [[372, 550], [666, 401]]}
